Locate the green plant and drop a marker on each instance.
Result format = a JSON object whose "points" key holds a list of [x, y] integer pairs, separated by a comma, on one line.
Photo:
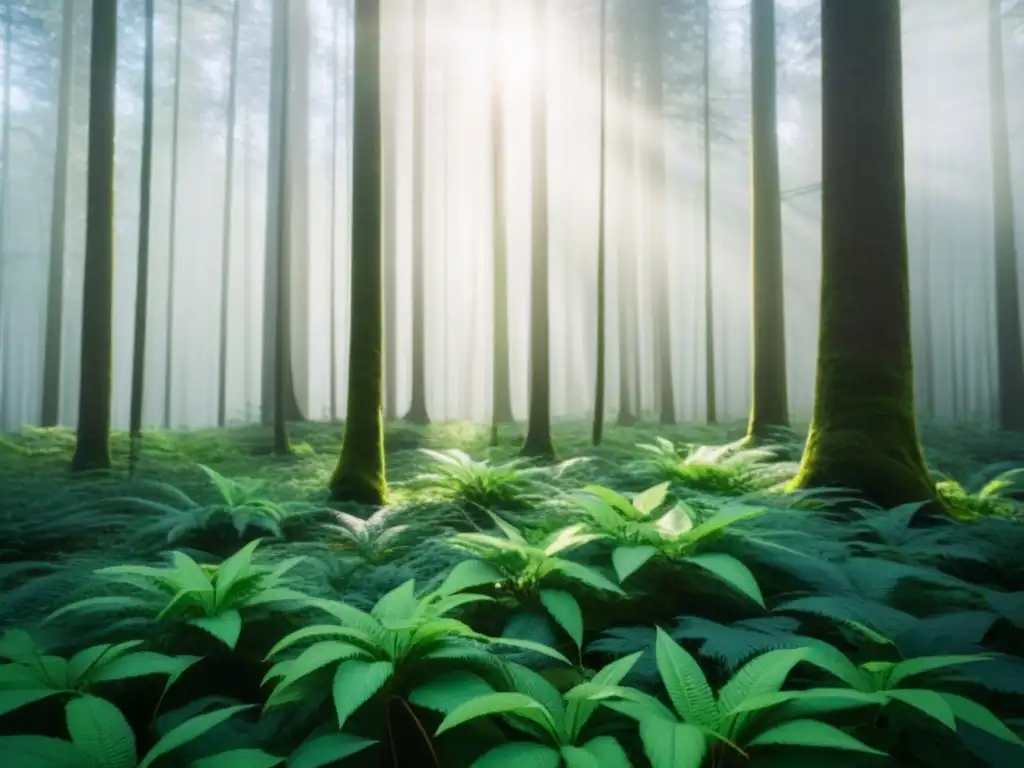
{"points": [[641, 530], [728, 470], [555, 723], [373, 540], [209, 597]]}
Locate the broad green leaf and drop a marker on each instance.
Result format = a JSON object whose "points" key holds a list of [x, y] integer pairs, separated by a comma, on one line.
{"points": [[811, 733], [327, 750], [100, 730], [854, 697], [467, 575], [274, 595], [226, 626], [579, 709], [566, 611], [577, 757], [723, 520], [834, 662], [398, 604], [518, 754], [12, 700], [732, 572], [629, 560], [510, 532], [608, 752], [611, 498], [605, 516], [355, 683], [499, 704], [528, 645], [675, 523], [980, 717], [350, 616], [928, 702], [188, 574], [233, 570], [42, 752], [533, 684], [913, 667], [235, 758], [317, 657], [83, 661], [189, 731], [686, 684], [569, 538], [445, 692], [17, 645], [762, 675], [112, 603], [138, 664], [671, 744], [353, 636], [651, 499], [587, 575]]}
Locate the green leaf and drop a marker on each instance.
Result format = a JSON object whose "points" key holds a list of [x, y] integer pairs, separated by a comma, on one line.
{"points": [[928, 702], [100, 730], [913, 667], [723, 520], [524, 680], [18, 646], [327, 750], [500, 704], [577, 757], [762, 675], [42, 752], [607, 752], [321, 630], [629, 560], [274, 595], [355, 683], [612, 499], [811, 733], [833, 661], [586, 575], [449, 690], [138, 664], [527, 645], [672, 745], [518, 754], [83, 661], [189, 576], [566, 611], [685, 682], [980, 717], [510, 532], [234, 758], [12, 700], [234, 569], [226, 626], [397, 605], [570, 537], [469, 574], [732, 572], [579, 710], [825, 695], [189, 731], [651, 499]]}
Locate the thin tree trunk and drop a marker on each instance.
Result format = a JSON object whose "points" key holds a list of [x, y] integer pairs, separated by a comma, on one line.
{"points": [[709, 294], [389, 116], [5, 176], [332, 278], [359, 475], [173, 225], [93, 446], [599, 389], [55, 279], [229, 177], [629, 377], [769, 404], [863, 434]]}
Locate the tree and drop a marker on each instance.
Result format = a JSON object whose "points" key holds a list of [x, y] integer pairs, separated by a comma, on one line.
{"points": [[58, 215], [538, 433], [709, 296], [863, 432], [229, 177], [1009, 341], [173, 225], [418, 413], [602, 256], [359, 475], [769, 407], [92, 450], [5, 150], [142, 271], [389, 111]]}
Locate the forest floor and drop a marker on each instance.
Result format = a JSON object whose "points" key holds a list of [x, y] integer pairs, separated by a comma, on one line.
{"points": [[763, 569]]}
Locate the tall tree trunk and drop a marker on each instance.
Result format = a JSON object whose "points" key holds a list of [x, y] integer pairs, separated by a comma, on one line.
{"points": [[332, 278], [5, 173], [418, 413], [928, 342], [359, 475], [501, 383], [629, 376], [142, 270], [173, 225], [93, 446], [769, 404], [597, 431], [58, 215], [229, 178], [710, 394], [864, 432], [538, 433], [1011, 351], [389, 116]]}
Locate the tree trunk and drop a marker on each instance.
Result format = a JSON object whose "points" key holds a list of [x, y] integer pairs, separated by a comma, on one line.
{"points": [[389, 117], [173, 225], [93, 446], [58, 215], [5, 169], [359, 475], [863, 434], [145, 208], [769, 404], [538, 433], [1011, 351], [418, 413], [229, 177], [709, 283], [597, 431], [629, 378]]}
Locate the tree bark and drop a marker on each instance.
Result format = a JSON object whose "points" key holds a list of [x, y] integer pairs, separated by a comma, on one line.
{"points": [[710, 394], [629, 378], [173, 225], [597, 432]]}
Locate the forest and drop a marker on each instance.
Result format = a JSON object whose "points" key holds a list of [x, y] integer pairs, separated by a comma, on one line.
{"points": [[511, 383]]}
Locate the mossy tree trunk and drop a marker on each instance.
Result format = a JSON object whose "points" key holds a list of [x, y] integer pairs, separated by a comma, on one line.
{"points": [[359, 475], [145, 209], [769, 405], [711, 405], [597, 431], [1009, 342], [864, 433], [501, 384], [389, 117], [55, 279], [172, 227], [418, 413], [538, 434], [92, 450]]}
